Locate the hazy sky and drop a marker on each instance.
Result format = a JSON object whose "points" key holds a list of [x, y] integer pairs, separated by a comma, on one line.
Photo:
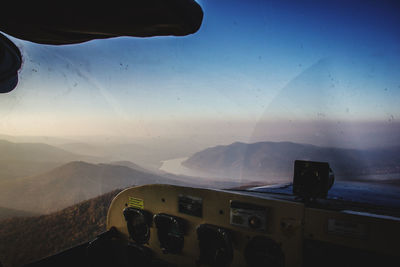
{"points": [[290, 70]]}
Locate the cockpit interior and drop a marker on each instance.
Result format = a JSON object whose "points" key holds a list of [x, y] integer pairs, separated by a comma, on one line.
{"points": [[200, 133]]}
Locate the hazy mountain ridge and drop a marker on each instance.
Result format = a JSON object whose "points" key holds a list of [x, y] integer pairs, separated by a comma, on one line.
{"points": [[18, 160], [33, 152], [264, 159], [70, 184], [23, 240], [10, 213], [38, 152], [51, 140], [130, 164], [13, 169]]}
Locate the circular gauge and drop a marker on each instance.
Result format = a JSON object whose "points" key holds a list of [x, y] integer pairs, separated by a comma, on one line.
{"points": [[138, 222], [262, 251], [170, 230], [215, 245]]}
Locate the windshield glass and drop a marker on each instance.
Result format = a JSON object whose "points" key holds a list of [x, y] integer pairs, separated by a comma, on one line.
{"points": [[261, 84]]}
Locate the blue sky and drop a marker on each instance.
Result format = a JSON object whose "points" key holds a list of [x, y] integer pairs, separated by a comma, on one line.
{"points": [[251, 62]]}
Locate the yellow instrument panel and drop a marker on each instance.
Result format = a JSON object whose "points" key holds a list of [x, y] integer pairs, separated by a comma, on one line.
{"points": [[249, 220]]}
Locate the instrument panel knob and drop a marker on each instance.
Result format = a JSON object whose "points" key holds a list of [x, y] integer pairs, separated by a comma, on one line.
{"points": [[215, 245], [263, 252]]}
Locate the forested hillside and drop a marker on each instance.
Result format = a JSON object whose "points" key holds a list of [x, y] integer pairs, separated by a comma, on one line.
{"points": [[23, 240]]}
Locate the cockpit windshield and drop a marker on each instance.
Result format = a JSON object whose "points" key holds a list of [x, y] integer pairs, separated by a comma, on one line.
{"points": [[260, 85]]}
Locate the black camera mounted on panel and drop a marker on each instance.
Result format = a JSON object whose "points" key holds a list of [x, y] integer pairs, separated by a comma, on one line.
{"points": [[312, 179]]}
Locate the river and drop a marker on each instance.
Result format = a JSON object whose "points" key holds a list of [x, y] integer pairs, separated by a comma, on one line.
{"points": [[174, 166]]}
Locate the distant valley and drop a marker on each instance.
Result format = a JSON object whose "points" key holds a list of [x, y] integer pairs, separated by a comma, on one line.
{"points": [[148, 155]]}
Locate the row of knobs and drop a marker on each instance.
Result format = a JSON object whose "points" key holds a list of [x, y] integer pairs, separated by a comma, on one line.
{"points": [[214, 242]]}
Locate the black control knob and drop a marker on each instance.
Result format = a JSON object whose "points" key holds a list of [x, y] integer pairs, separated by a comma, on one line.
{"points": [[255, 222], [170, 231], [263, 252], [138, 222], [215, 245]]}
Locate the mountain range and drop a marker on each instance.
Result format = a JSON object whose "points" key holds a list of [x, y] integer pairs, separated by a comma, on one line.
{"points": [[39, 178], [27, 159], [270, 160], [37, 152], [70, 184]]}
